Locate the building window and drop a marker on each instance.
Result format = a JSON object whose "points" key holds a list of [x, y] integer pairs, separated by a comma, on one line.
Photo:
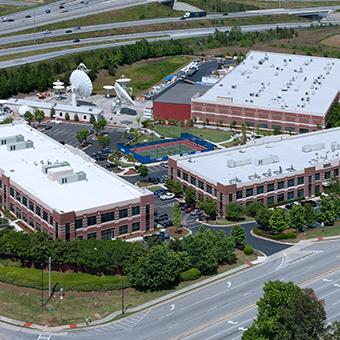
{"points": [[51, 220], [0, 184], [45, 216], [300, 180], [270, 200], [37, 210], [11, 192], [290, 195], [209, 189], [317, 176], [123, 213], [91, 236], [107, 234], [67, 231], [123, 229], [280, 185], [78, 224], [91, 220], [317, 189], [135, 226], [327, 174], [147, 217], [230, 197], [201, 185], [24, 201], [135, 210], [336, 172], [280, 197], [291, 182], [185, 176], [260, 190], [178, 173], [18, 196], [300, 193], [239, 194], [193, 180], [270, 187], [37, 227], [107, 217], [31, 205], [264, 126], [249, 192]]}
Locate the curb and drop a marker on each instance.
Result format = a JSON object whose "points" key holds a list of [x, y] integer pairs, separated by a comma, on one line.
{"points": [[224, 225], [270, 240], [209, 281]]}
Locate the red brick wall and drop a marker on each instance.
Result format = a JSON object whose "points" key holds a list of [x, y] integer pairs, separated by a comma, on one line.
{"points": [[169, 111]]}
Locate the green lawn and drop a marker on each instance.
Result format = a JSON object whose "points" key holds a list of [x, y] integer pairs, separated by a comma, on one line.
{"points": [[214, 135], [155, 188], [144, 74], [320, 232], [224, 221], [28, 277], [7, 9]]}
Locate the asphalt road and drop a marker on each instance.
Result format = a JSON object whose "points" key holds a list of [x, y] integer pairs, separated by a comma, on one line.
{"points": [[76, 10], [223, 309], [175, 34]]}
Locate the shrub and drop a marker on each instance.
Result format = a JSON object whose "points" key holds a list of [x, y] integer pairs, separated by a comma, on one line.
{"points": [[285, 236], [191, 274], [248, 249], [76, 118], [67, 116]]}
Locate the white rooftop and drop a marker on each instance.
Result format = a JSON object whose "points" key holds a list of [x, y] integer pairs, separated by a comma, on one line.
{"points": [[265, 158], [24, 167], [277, 81]]}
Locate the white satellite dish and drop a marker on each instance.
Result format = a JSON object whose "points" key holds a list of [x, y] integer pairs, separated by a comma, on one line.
{"points": [[108, 89], [81, 85], [58, 83], [122, 94]]}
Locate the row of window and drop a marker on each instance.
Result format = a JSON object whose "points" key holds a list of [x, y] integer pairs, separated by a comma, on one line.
{"points": [[290, 196], [109, 234], [197, 183], [107, 217]]}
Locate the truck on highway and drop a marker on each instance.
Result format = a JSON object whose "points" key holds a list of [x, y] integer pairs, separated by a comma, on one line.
{"points": [[188, 15]]}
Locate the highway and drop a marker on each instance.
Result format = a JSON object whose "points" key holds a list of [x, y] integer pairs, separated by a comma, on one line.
{"points": [[223, 309], [150, 36], [77, 10]]}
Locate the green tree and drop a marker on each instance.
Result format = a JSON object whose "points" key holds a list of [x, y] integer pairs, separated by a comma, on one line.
{"points": [[159, 269], [253, 208], [39, 116], [209, 207], [278, 221], [76, 118], [176, 216], [99, 125], [67, 116], [82, 135], [310, 215], [28, 117], [297, 217], [243, 134], [104, 141], [143, 171], [262, 218], [328, 210], [238, 234], [235, 212], [190, 195], [287, 312], [333, 187], [174, 186]]}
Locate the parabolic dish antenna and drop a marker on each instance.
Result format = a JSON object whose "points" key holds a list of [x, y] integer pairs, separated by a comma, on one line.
{"points": [[81, 85], [108, 89], [58, 83]]}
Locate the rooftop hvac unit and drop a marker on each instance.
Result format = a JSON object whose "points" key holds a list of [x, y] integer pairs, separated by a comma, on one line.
{"points": [[22, 145], [72, 178], [46, 167], [335, 146], [313, 147], [11, 139], [241, 162]]}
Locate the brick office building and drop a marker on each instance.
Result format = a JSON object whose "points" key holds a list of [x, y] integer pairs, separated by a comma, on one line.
{"points": [[293, 93], [269, 170], [60, 190]]}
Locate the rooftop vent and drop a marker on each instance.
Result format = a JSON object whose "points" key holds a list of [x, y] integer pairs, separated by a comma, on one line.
{"points": [[335, 146], [241, 162], [235, 180], [22, 145], [313, 147], [49, 165], [72, 178], [11, 139]]}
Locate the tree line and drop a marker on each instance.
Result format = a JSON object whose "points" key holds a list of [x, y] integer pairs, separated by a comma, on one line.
{"points": [[153, 266]]}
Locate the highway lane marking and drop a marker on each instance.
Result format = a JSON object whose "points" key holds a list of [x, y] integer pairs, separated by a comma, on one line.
{"points": [[336, 285], [232, 322], [172, 307], [242, 329], [327, 280], [228, 284]]}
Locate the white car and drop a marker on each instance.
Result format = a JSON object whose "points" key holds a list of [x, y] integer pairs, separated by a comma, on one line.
{"points": [[47, 32], [167, 196]]}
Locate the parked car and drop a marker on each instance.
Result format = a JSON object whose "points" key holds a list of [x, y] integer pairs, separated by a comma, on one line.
{"points": [[76, 40], [27, 16], [164, 165], [160, 192], [166, 223], [162, 217], [311, 202], [196, 212], [68, 31], [62, 142], [110, 166], [48, 127], [291, 205], [163, 235], [61, 7], [167, 196], [46, 32], [107, 150]]}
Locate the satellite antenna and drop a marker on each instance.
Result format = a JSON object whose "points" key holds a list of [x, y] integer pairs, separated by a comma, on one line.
{"points": [[108, 89], [121, 90], [83, 67], [58, 86], [81, 85]]}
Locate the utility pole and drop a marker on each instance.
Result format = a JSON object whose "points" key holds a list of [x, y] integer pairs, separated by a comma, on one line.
{"points": [[42, 285], [49, 277], [122, 294]]}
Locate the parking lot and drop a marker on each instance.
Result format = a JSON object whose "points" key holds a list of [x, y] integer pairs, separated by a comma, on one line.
{"points": [[66, 133]]}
